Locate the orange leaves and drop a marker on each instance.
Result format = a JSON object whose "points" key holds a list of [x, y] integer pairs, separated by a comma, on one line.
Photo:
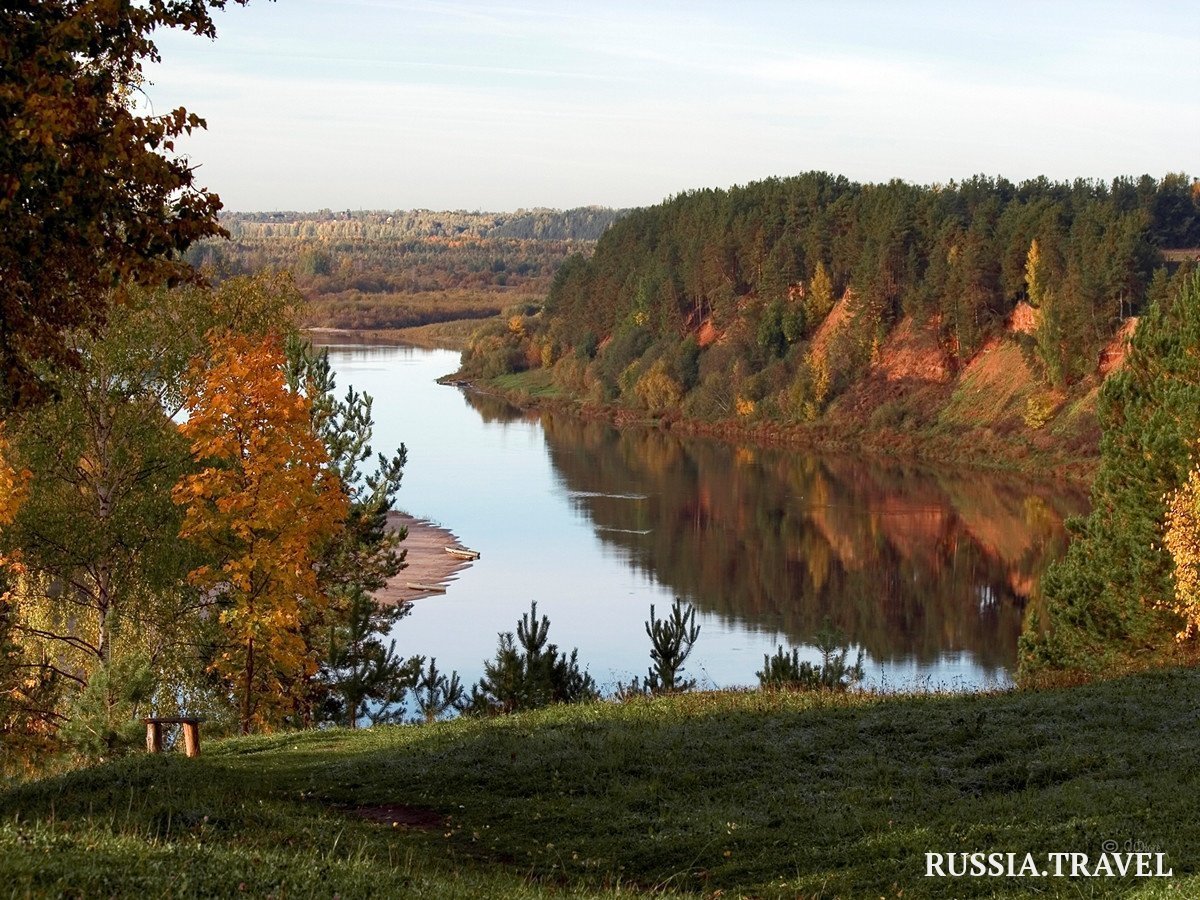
{"points": [[14, 485], [261, 505]]}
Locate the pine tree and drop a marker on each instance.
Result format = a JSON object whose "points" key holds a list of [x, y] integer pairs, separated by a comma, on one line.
{"points": [[436, 693], [529, 672], [671, 641], [787, 671], [1110, 598]]}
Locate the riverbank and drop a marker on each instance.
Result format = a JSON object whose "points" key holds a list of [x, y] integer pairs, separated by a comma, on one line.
{"points": [[452, 335], [733, 793], [956, 444], [427, 561]]}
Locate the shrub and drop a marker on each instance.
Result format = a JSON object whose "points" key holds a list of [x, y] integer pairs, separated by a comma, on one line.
{"points": [[528, 673]]}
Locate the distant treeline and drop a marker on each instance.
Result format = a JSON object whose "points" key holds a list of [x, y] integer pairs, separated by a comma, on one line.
{"points": [[761, 266], [403, 268], [585, 223]]}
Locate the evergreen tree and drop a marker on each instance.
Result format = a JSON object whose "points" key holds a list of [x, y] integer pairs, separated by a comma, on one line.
{"points": [[671, 641], [1109, 599], [436, 693], [787, 671], [363, 676], [529, 672]]}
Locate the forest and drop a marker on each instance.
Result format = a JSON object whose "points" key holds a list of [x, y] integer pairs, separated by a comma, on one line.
{"points": [[772, 300]]}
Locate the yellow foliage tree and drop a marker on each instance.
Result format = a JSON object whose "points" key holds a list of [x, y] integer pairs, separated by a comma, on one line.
{"points": [[261, 506], [657, 390], [1035, 282], [13, 484], [1182, 540], [818, 299]]}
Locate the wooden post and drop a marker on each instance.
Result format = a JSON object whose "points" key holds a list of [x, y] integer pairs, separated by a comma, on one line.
{"points": [[191, 737], [154, 737]]}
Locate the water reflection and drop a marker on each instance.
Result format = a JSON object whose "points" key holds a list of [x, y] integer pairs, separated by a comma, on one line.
{"points": [[927, 570], [912, 563]]}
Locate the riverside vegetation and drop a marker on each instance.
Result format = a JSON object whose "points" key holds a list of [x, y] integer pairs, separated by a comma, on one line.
{"points": [[963, 320]]}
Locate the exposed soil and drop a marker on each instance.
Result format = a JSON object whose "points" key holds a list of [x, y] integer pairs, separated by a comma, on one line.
{"points": [[427, 559], [911, 353], [400, 815], [1113, 355], [830, 325], [707, 335]]}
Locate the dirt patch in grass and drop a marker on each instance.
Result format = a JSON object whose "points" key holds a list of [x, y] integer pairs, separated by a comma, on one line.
{"points": [[400, 815]]}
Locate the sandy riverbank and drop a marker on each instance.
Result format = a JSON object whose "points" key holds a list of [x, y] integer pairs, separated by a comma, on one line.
{"points": [[428, 561]]}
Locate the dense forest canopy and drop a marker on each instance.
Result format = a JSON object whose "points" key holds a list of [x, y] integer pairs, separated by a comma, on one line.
{"points": [[758, 268]]}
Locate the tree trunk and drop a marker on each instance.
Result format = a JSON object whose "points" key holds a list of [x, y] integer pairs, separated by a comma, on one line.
{"points": [[247, 703]]}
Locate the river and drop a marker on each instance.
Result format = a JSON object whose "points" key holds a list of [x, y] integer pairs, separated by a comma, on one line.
{"points": [[930, 572]]}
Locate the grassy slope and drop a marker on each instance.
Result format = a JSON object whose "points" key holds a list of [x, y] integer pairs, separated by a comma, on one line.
{"points": [[762, 794]]}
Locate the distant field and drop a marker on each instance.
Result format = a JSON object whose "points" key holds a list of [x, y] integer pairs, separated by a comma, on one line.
{"points": [[354, 310], [404, 269], [450, 335]]}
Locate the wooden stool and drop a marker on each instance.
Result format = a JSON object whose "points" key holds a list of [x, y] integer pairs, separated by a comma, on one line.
{"points": [[191, 733]]}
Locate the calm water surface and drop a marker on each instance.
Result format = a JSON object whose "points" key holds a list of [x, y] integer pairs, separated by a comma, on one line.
{"points": [[928, 571]]}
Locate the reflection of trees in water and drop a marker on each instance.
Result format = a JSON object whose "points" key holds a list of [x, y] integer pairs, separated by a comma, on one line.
{"points": [[910, 563], [493, 409]]}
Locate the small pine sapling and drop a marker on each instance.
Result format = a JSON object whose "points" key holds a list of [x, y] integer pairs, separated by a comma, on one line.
{"points": [[671, 641], [436, 694], [786, 671], [529, 672]]}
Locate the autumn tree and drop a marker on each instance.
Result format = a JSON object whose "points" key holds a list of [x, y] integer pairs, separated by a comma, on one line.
{"points": [[261, 507], [93, 194], [103, 569], [1182, 540]]}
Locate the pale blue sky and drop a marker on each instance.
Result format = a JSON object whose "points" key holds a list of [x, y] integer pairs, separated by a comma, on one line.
{"points": [[455, 105]]}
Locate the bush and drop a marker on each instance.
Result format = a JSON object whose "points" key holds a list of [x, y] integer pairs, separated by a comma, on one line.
{"points": [[102, 719], [528, 673]]}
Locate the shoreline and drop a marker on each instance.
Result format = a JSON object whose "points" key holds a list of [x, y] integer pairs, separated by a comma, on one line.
{"points": [[427, 561], [1074, 472], [927, 450]]}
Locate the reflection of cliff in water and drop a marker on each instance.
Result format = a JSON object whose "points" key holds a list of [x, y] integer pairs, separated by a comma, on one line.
{"points": [[909, 562]]}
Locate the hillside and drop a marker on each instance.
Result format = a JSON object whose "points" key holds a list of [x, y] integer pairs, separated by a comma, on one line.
{"points": [[759, 794], [975, 319]]}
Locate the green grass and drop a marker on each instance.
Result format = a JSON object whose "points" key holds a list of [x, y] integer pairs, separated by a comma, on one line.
{"points": [[716, 794], [533, 383]]}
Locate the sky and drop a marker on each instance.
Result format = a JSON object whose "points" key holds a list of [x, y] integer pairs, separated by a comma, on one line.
{"points": [[409, 104]]}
